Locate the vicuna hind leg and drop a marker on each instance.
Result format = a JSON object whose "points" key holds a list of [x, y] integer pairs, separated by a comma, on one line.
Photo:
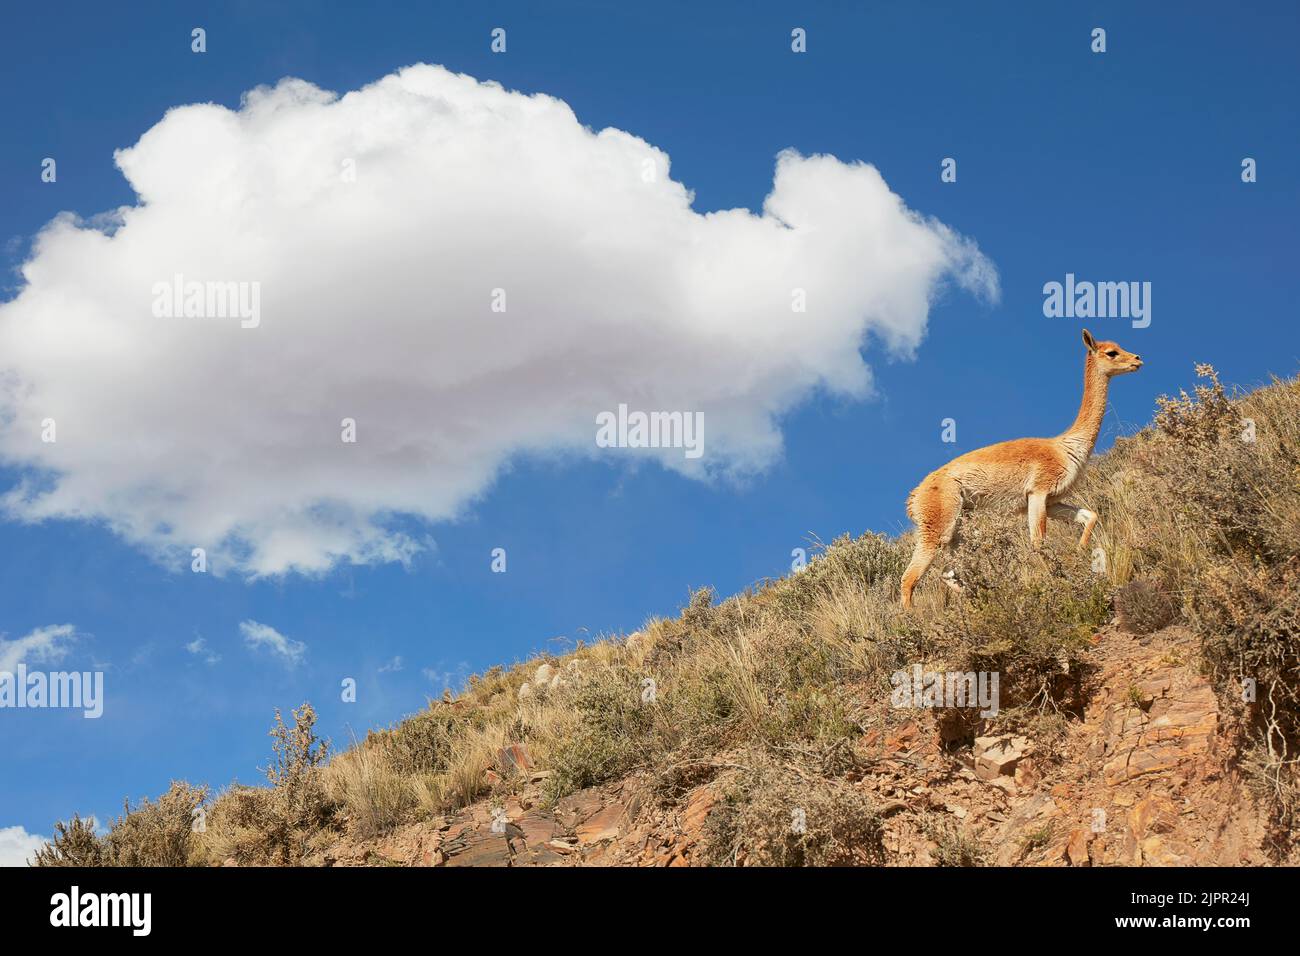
{"points": [[936, 511], [1067, 512], [922, 556]]}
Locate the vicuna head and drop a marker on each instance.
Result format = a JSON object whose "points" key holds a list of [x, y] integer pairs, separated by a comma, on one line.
{"points": [[1110, 357]]}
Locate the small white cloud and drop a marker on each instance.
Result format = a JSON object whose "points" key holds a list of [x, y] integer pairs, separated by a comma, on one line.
{"points": [[17, 846], [257, 635], [199, 648], [43, 645], [392, 666], [446, 679]]}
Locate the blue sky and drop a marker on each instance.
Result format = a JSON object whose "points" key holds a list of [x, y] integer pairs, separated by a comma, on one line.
{"points": [[1117, 166]]}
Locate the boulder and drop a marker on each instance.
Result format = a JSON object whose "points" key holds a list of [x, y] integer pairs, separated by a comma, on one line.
{"points": [[514, 757], [1076, 850], [998, 756]]}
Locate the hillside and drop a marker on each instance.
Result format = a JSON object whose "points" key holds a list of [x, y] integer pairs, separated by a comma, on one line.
{"points": [[1149, 705]]}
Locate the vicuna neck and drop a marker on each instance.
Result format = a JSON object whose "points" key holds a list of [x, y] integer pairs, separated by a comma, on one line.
{"points": [[1087, 425]]}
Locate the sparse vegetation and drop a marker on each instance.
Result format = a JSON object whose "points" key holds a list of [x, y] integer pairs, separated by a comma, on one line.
{"points": [[771, 816], [155, 833], [1037, 839], [75, 843], [1200, 521], [954, 847]]}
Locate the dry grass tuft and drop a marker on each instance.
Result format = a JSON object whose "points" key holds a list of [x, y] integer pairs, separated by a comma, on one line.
{"points": [[1144, 607], [772, 816]]}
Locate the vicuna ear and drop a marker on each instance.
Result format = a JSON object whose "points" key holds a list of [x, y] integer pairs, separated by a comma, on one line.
{"points": [[1089, 341]]}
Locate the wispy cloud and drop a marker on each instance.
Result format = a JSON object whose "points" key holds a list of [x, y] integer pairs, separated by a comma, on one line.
{"points": [[43, 645], [392, 666], [199, 648], [446, 679], [257, 635]]}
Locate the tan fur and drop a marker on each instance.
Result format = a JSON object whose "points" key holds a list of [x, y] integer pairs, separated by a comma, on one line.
{"points": [[1027, 475]]}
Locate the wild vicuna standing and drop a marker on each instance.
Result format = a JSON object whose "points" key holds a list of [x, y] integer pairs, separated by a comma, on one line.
{"points": [[1025, 475]]}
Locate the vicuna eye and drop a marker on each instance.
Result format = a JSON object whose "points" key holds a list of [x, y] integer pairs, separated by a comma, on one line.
{"points": [[1112, 353]]}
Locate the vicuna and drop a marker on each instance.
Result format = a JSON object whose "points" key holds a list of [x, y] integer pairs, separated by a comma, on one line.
{"points": [[1027, 475]]}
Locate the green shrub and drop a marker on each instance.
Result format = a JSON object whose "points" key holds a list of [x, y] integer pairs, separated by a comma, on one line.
{"points": [[419, 744], [1028, 615], [613, 732]]}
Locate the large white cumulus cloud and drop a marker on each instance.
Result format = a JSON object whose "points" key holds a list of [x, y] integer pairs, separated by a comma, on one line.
{"points": [[376, 300]]}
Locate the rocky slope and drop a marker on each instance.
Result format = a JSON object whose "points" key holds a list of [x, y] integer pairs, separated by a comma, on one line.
{"points": [[1143, 779]]}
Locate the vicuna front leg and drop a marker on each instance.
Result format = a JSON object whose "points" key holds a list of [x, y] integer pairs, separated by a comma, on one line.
{"points": [[1037, 518], [1067, 512]]}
